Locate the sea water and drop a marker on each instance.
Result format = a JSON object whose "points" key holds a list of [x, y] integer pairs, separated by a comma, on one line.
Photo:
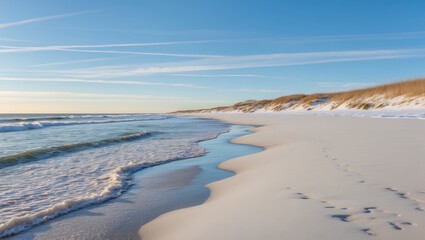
{"points": [[53, 164]]}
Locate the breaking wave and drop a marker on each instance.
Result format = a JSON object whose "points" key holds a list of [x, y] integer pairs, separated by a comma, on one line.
{"points": [[119, 180], [23, 125], [43, 153]]}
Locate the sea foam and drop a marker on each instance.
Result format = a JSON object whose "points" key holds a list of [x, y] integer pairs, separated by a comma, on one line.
{"points": [[119, 180], [43, 153], [23, 126], [72, 176]]}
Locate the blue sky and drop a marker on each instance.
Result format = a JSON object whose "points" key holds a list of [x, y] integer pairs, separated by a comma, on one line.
{"points": [[159, 56]]}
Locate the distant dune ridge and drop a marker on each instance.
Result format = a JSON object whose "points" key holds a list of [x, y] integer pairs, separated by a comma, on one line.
{"points": [[401, 95]]}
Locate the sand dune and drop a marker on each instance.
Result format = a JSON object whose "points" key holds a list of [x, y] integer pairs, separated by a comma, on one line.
{"points": [[320, 177], [400, 95]]}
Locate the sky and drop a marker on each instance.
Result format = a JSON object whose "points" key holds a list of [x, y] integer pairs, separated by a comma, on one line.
{"points": [[131, 56]]}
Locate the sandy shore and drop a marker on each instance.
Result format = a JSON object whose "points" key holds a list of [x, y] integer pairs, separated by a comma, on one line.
{"points": [[320, 177]]}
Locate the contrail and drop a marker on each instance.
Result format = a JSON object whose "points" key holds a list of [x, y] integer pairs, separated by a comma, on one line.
{"points": [[42, 19]]}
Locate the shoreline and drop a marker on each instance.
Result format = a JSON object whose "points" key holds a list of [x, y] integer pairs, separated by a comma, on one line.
{"points": [[303, 175], [159, 189]]}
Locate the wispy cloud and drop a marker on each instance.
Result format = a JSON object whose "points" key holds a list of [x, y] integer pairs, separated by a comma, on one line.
{"points": [[228, 75], [243, 62], [93, 49], [14, 49], [88, 72], [76, 96], [353, 37], [14, 40], [278, 59], [240, 62], [142, 53], [70, 62], [42, 19], [99, 81], [345, 85], [219, 33], [251, 90], [334, 38]]}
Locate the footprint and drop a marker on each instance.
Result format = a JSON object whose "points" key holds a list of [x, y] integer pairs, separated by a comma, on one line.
{"points": [[406, 195], [302, 196], [342, 217], [364, 218], [368, 209], [395, 226], [419, 209], [368, 231]]}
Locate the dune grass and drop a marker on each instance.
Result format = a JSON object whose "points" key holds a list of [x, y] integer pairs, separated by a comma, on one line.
{"points": [[354, 98], [406, 88]]}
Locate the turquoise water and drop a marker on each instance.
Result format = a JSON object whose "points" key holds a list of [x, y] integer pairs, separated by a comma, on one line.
{"points": [[51, 165]]}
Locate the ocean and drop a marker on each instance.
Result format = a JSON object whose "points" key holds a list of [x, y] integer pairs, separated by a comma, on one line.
{"points": [[53, 164]]}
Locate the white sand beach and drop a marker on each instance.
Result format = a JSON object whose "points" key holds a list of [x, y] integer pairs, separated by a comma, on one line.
{"points": [[319, 177]]}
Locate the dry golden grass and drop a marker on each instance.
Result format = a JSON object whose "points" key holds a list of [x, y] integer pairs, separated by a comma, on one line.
{"points": [[407, 88], [412, 88], [287, 99], [354, 98], [313, 97]]}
